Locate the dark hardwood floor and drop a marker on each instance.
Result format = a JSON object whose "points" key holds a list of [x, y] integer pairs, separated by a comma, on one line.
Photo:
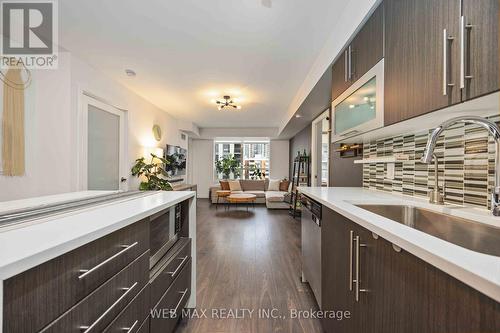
{"points": [[249, 261]]}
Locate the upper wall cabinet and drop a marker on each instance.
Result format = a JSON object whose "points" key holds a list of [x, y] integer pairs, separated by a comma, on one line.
{"points": [[365, 50], [415, 47], [340, 80], [480, 39], [438, 53]]}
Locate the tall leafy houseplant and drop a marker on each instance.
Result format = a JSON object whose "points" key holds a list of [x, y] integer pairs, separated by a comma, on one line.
{"points": [[153, 172], [227, 165]]}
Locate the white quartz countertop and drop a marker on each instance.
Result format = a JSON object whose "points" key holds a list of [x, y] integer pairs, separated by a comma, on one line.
{"points": [[478, 270], [39, 202], [33, 243]]}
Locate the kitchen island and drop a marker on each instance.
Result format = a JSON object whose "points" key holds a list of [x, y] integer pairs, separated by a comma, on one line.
{"points": [[38, 243]]}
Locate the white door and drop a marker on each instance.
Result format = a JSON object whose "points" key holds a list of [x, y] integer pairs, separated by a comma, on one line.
{"points": [[103, 152], [320, 149]]}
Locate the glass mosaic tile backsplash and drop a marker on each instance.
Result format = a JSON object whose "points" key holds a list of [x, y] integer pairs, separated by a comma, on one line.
{"points": [[466, 155]]}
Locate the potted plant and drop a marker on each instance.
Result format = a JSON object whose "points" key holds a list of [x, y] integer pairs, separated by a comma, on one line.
{"points": [[154, 172], [227, 165]]}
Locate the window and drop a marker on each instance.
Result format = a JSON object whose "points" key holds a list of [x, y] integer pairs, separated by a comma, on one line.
{"points": [[251, 158]]}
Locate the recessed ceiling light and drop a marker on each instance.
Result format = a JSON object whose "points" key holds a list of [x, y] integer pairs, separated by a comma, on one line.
{"points": [[130, 73], [298, 116]]}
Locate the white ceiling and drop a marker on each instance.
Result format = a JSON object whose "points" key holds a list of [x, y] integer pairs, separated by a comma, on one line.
{"points": [[186, 50]]}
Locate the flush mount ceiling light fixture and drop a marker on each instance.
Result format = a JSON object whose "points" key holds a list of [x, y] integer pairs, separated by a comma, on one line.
{"points": [[226, 103]]}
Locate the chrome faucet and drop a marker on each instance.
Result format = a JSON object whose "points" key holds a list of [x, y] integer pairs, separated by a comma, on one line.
{"points": [[492, 129], [435, 195]]}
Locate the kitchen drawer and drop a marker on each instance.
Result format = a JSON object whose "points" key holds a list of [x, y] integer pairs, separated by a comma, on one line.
{"points": [[144, 327], [131, 318], [165, 272], [162, 320], [38, 296], [104, 304]]}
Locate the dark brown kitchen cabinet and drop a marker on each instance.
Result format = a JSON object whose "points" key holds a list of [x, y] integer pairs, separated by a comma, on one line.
{"points": [[348, 256], [131, 318], [95, 312], [367, 47], [434, 58], [58, 284], [364, 52], [415, 45], [168, 311], [340, 82], [398, 291], [480, 26], [336, 293]]}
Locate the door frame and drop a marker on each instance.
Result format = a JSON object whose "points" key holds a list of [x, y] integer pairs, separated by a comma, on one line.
{"points": [[84, 100], [314, 148]]}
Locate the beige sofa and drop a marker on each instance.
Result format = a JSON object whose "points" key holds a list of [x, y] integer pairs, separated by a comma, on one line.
{"points": [[272, 199]]}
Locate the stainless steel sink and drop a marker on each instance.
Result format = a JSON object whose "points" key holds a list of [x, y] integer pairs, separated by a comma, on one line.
{"points": [[472, 235]]}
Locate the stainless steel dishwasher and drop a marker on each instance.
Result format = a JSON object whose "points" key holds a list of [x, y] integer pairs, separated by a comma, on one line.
{"points": [[311, 245]]}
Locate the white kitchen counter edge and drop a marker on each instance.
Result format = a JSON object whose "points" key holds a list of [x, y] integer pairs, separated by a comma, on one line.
{"points": [[75, 230], [480, 271]]}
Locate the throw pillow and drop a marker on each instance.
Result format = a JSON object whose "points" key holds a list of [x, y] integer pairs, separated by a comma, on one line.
{"points": [[234, 185], [274, 185], [284, 185], [224, 185]]}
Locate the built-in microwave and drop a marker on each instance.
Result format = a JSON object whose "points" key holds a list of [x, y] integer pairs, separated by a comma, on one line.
{"points": [[164, 229], [360, 108]]}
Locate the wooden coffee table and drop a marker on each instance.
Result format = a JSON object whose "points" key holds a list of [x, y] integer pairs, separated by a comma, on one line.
{"points": [[239, 198]]}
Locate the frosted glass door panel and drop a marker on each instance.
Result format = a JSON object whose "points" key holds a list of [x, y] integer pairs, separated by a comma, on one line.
{"points": [[103, 150], [357, 109]]}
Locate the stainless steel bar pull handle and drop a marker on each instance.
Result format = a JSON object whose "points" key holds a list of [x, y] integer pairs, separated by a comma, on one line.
{"points": [[350, 63], [464, 52], [446, 40], [353, 132], [87, 329], [358, 275], [184, 293], [346, 70], [351, 246], [174, 273], [95, 268], [131, 328]]}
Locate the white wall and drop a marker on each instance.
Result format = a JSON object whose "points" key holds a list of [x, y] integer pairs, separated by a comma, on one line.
{"points": [[279, 159], [51, 147], [142, 115], [235, 132], [201, 163], [47, 128]]}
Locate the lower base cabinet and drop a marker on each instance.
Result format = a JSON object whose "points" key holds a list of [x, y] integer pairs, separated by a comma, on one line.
{"points": [[167, 313], [144, 327], [132, 317], [397, 292]]}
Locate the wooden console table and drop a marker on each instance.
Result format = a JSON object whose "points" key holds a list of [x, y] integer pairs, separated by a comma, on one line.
{"points": [[185, 187]]}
